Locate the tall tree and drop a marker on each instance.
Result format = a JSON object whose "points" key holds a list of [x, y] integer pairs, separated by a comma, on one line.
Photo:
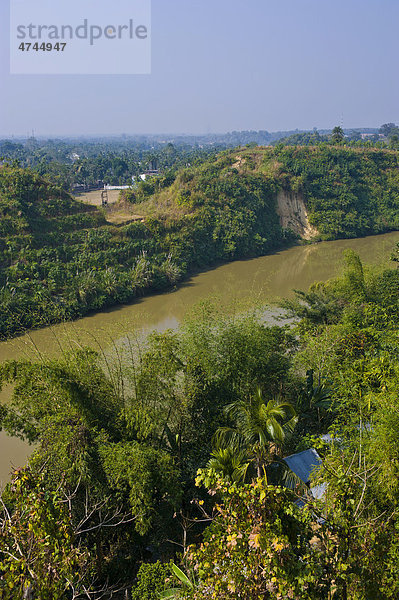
{"points": [[338, 135]]}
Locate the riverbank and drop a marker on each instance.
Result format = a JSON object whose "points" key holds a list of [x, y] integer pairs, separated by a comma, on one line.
{"points": [[238, 285], [248, 282], [61, 260], [130, 429]]}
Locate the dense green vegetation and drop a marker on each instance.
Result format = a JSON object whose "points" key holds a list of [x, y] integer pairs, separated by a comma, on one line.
{"points": [[60, 259], [93, 163], [386, 137], [173, 451], [90, 163], [348, 192]]}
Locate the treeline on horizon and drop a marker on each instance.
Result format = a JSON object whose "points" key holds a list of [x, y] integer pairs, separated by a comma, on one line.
{"points": [[94, 162], [159, 473], [60, 259]]}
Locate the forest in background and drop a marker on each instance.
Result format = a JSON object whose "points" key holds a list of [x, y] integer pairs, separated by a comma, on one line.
{"points": [[92, 162]]}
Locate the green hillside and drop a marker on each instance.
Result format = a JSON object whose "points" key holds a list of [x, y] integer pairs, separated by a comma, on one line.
{"points": [[348, 192], [60, 259]]}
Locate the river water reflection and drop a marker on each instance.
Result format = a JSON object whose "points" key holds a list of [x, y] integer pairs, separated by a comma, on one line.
{"points": [[262, 279]]}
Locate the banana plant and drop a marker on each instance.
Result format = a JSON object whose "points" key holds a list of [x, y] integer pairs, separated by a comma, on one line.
{"points": [[178, 593]]}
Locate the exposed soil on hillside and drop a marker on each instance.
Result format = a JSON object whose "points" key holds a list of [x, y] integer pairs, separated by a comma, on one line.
{"points": [[117, 212], [293, 215]]}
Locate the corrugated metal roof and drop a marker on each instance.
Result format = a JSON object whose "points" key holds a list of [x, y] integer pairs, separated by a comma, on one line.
{"points": [[318, 491], [303, 463]]}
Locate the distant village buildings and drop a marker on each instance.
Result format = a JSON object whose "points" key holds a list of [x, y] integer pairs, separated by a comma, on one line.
{"points": [[149, 173], [364, 136], [117, 187], [80, 187]]}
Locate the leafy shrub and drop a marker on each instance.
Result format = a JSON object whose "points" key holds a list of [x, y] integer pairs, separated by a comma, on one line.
{"points": [[150, 581]]}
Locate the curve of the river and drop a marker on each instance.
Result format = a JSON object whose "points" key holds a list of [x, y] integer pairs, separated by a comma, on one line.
{"points": [[251, 281]]}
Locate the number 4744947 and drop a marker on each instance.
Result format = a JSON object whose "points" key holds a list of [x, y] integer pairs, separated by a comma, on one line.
{"points": [[44, 47]]}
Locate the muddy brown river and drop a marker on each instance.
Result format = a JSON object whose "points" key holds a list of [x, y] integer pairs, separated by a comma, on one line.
{"points": [[241, 283]]}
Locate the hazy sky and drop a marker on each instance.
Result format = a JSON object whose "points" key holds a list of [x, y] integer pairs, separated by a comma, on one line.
{"points": [[220, 65]]}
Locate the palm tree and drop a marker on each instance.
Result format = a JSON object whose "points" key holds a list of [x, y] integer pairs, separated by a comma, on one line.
{"points": [[230, 462], [260, 426], [338, 135]]}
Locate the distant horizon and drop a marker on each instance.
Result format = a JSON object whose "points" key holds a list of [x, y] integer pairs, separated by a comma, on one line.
{"points": [[40, 136]]}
